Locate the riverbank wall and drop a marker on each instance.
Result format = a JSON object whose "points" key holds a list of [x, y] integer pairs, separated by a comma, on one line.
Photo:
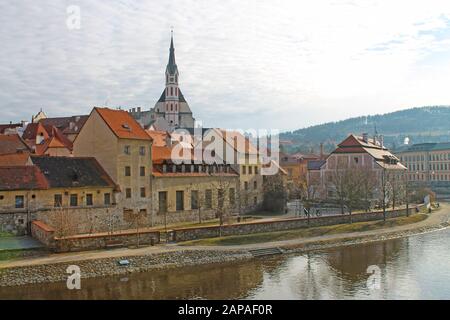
{"points": [[194, 233]]}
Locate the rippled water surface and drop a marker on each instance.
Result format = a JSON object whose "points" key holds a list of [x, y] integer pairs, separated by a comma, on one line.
{"points": [[410, 268]]}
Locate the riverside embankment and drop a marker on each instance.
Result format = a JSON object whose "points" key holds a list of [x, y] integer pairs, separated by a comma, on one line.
{"points": [[53, 268]]}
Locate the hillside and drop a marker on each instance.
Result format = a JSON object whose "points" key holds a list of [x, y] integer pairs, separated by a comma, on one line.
{"points": [[425, 124]]}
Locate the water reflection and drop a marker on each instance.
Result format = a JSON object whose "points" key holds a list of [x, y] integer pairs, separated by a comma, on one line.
{"points": [[415, 267]]}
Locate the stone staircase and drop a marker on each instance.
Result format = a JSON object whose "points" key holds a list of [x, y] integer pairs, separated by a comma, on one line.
{"points": [[265, 252]]}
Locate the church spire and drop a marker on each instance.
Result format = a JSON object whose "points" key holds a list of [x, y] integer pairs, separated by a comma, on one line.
{"points": [[171, 66]]}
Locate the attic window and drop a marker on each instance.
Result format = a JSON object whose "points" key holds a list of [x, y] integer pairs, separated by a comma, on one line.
{"points": [[126, 126]]}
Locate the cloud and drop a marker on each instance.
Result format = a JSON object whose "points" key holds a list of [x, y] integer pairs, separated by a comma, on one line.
{"points": [[280, 65]]}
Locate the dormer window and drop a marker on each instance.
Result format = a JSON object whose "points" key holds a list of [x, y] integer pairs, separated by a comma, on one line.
{"points": [[126, 126]]}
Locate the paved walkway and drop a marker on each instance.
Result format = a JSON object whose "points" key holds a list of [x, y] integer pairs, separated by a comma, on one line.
{"points": [[435, 219]]}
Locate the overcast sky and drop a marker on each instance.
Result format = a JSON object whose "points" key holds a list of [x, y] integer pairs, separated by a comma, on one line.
{"points": [[243, 64]]}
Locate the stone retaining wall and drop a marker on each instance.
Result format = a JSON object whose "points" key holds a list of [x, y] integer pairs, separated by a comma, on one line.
{"points": [[46, 235], [101, 241], [187, 234]]}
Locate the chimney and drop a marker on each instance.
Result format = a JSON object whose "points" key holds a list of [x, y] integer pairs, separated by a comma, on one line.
{"points": [[381, 141], [365, 137], [139, 109], [321, 151]]}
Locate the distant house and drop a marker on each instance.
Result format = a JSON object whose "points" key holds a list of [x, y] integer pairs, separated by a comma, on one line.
{"points": [[68, 126], [296, 167], [355, 152], [48, 184], [47, 140]]}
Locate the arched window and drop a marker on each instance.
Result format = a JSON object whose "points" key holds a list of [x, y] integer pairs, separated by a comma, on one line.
{"points": [[171, 91], [171, 107]]}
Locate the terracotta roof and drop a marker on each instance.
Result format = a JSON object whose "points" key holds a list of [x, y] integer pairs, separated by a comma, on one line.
{"points": [[22, 178], [161, 154], [66, 172], [357, 141], [11, 144], [33, 129], [158, 137], [122, 124], [52, 138], [14, 159]]}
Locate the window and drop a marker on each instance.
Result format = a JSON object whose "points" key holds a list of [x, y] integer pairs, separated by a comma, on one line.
{"points": [[142, 171], [356, 159], [162, 200], [255, 201], [249, 170], [127, 150], [246, 185], [142, 151], [128, 193], [194, 199], [57, 200], [107, 199], [208, 199], [89, 199], [220, 198], [180, 200], [244, 170], [20, 202], [143, 192], [255, 185], [127, 171], [73, 200], [232, 196], [256, 170]]}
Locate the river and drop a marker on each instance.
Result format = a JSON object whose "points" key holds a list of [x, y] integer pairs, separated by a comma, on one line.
{"points": [[416, 267]]}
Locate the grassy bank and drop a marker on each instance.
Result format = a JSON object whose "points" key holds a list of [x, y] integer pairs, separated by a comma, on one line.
{"points": [[306, 232]]}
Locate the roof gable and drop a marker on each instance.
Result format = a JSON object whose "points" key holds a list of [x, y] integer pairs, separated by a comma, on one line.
{"points": [[122, 124]]}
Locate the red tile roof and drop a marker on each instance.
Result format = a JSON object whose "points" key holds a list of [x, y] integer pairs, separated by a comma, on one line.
{"points": [[14, 159], [11, 144], [122, 124], [22, 178]]}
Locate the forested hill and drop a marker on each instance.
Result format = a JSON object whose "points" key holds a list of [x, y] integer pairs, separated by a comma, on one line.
{"points": [[426, 124]]}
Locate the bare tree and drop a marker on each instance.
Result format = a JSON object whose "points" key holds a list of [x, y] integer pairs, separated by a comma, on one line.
{"points": [[138, 220], [64, 223], [223, 183]]}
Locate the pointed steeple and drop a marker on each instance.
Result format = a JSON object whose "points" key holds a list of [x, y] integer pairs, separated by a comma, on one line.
{"points": [[172, 66]]}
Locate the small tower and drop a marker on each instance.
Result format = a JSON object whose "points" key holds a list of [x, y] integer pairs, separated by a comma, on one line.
{"points": [[172, 92]]}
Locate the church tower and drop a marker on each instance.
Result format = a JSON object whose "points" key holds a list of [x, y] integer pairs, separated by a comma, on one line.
{"points": [[171, 111], [172, 92]]}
